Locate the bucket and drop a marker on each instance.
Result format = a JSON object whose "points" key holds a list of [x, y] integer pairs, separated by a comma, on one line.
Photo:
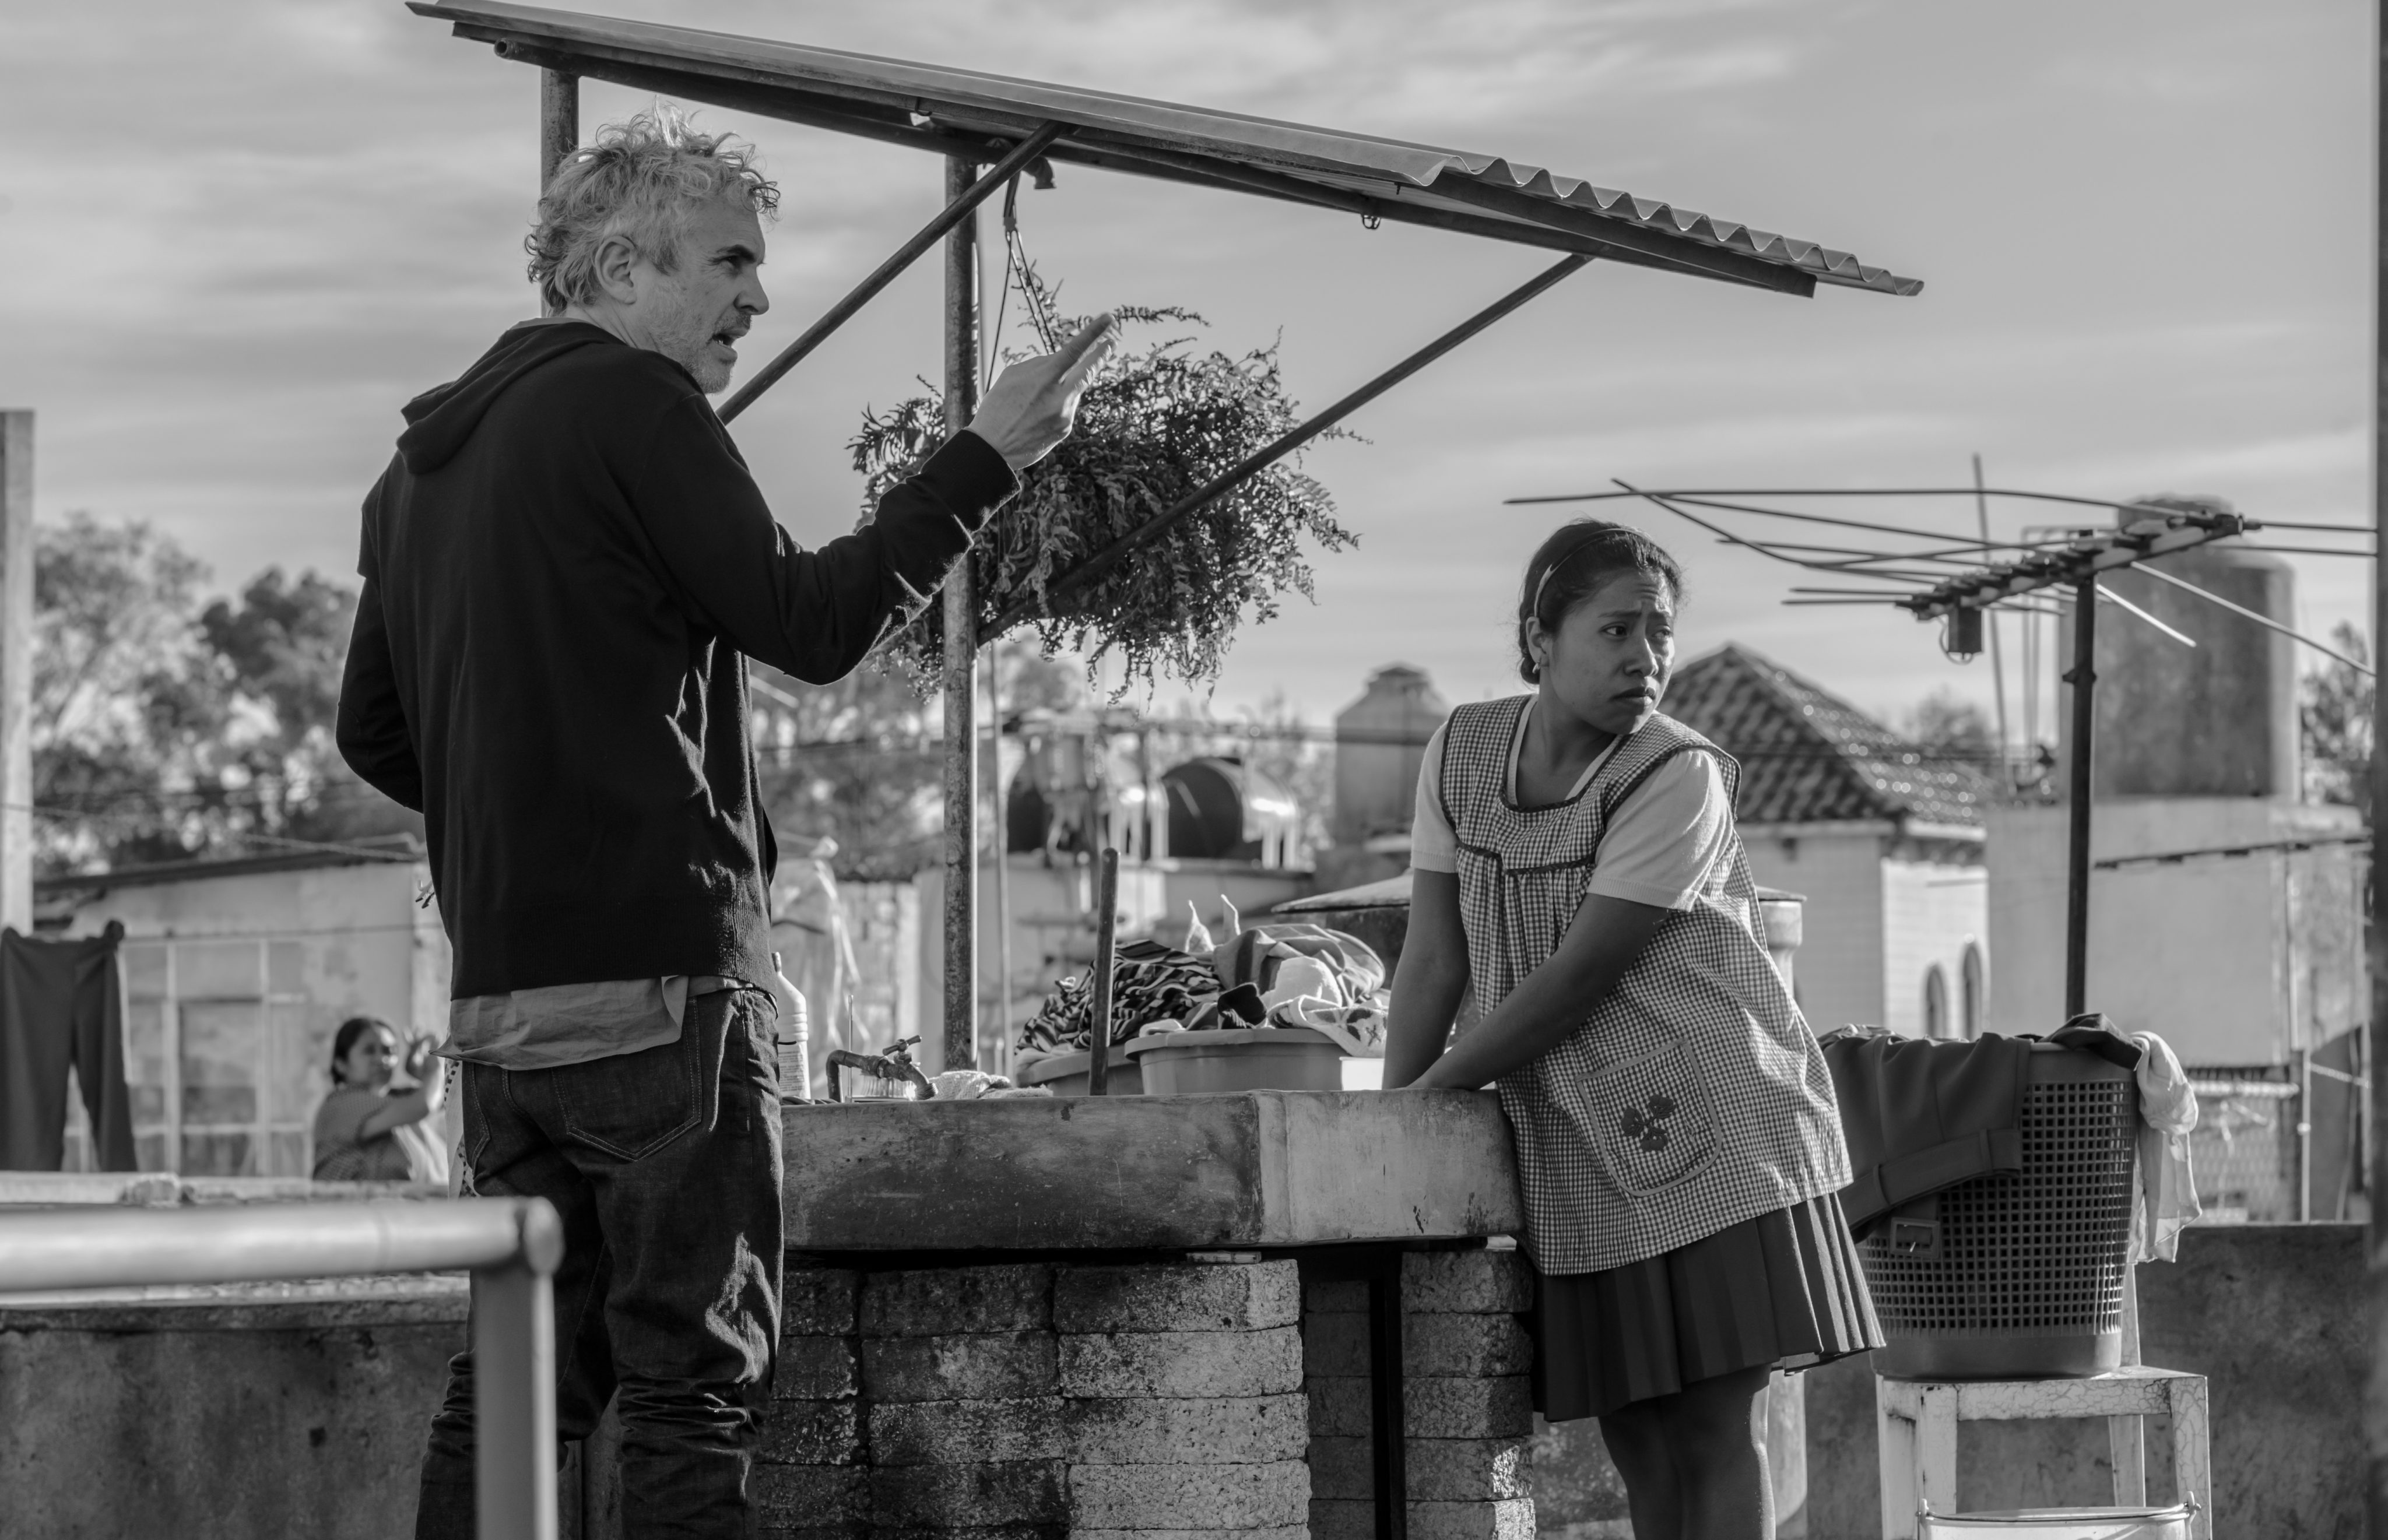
{"points": [[2062, 1524], [1259, 1058], [2023, 1278], [1065, 1075]]}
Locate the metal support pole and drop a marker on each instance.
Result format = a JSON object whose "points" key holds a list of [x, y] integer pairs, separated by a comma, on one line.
{"points": [[1235, 475], [1990, 619], [960, 204], [559, 122], [2083, 677], [1000, 828], [962, 654], [1099, 1016], [514, 1389], [2376, 1426], [1388, 1420], [17, 671]]}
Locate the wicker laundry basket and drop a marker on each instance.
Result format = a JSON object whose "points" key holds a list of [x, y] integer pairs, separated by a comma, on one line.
{"points": [[2022, 1278]]}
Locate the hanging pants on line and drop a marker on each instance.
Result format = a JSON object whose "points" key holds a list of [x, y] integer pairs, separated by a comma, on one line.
{"points": [[61, 1005]]}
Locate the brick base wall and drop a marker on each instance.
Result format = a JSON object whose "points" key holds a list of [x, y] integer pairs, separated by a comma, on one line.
{"points": [[1467, 1408], [1031, 1402]]}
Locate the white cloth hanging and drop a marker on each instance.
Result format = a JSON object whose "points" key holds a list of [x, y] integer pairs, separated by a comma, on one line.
{"points": [[2165, 1201]]}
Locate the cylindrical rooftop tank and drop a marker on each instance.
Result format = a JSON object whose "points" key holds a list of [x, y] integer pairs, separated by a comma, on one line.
{"points": [[2216, 720], [1221, 809], [1379, 740]]}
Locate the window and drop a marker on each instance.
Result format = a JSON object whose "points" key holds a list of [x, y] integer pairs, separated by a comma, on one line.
{"points": [[223, 1065], [1972, 992], [1936, 1003]]}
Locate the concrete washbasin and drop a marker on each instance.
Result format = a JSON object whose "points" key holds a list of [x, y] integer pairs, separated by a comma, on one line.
{"points": [[1254, 1169]]}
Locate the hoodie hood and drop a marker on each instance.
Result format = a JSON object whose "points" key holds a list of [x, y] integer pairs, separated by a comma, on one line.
{"points": [[442, 419]]}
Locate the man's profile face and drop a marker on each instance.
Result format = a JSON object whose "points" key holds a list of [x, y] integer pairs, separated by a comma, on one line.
{"points": [[694, 314]]}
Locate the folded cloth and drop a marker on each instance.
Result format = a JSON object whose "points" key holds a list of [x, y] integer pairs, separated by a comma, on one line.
{"points": [[1921, 1116], [1309, 976], [1149, 982], [1259, 951], [2166, 1202], [2091, 1032]]}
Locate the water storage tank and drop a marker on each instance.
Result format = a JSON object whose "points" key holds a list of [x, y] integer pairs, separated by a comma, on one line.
{"points": [[1223, 810], [1379, 740], [2216, 720]]}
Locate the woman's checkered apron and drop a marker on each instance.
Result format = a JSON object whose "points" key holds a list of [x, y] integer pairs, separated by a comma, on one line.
{"points": [[1694, 1096]]}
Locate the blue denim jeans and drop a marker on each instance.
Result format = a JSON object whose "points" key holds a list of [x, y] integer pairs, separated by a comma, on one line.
{"points": [[664, 1166]]}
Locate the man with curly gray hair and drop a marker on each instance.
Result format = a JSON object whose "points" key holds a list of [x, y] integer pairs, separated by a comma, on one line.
{"points": [[565, 567]]}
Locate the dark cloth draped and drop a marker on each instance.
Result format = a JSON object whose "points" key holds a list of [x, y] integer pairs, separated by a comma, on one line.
{"points": [[61, 1006]]}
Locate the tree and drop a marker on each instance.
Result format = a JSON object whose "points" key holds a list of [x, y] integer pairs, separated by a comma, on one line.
{"points": [[856, 761], [1948, 722], [127, 700], [286, 644], [2334, 717], [161, 731]]}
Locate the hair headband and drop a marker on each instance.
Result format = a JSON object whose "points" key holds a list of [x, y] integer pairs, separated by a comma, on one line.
{"points": [[1535, 608]]}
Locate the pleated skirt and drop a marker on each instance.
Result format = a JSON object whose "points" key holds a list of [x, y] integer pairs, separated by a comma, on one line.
{"points": [[1782, 1291]]}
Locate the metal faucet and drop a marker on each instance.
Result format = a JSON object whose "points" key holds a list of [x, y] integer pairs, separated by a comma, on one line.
{"points": [[894, 1064]]}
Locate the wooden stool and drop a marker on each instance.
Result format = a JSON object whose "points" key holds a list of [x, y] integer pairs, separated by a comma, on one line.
{"points": [[1917, 1423]]}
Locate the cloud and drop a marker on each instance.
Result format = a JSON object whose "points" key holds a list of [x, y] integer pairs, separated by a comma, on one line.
{"points": [[288, 216]]}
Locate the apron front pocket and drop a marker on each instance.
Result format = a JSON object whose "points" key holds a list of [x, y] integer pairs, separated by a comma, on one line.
{"points": [[1651, 1126]]}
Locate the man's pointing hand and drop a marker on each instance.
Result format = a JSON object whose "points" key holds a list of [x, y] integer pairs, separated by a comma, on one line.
{"points": [[1034, 402]]}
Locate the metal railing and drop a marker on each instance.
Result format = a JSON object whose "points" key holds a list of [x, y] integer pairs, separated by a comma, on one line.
{"points": [[512, 1246]]}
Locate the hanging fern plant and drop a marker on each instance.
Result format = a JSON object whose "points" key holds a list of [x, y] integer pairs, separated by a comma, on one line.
{"points": [[1154, 427]]}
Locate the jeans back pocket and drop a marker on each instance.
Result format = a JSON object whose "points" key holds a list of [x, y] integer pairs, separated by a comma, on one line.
{"points": [[1651, 1125], [631, 1104]]}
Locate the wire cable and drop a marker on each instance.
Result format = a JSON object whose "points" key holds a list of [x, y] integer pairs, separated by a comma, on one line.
{"points": [[2265, 620]]}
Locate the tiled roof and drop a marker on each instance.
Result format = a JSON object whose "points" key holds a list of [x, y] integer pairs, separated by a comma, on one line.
{"points": [[1809, 756]]}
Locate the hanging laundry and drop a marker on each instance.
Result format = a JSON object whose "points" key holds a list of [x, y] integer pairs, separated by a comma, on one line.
{"points": [[2166, 1202], [61, 1006]]}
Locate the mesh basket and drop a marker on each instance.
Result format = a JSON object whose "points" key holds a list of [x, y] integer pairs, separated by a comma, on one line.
{"points": [[2024, 1277]]}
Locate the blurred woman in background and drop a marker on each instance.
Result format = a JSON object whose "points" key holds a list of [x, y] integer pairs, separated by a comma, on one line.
{"points": [[368, 1130]]}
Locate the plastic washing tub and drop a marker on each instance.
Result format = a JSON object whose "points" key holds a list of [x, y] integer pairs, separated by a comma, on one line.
{"points": [[1065, 1074], [1259, 1058], [2061, 1523]]}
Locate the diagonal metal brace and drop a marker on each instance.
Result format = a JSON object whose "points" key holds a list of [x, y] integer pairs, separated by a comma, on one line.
{"points": [[1103, 561], [1003, 170]]}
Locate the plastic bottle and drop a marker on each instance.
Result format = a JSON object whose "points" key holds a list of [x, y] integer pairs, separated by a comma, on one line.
{"points": [[795, 1038]]}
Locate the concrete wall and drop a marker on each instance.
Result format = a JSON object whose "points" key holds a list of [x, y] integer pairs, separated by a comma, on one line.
{"points": [[250, 1415], [2235, 960], [234, 985], [1841, 971], [2274, 1316], [1931, 912]]}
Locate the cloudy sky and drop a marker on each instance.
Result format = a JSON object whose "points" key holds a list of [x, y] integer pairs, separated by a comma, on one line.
{"points": [[237, 236]]}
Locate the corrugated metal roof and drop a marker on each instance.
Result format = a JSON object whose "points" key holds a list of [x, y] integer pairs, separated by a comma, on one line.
{"points": [[1809, 756], [936, 105]]}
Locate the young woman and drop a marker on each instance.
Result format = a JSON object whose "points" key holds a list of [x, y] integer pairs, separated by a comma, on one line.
{"points": [[1576, 873], [365, 1131]]}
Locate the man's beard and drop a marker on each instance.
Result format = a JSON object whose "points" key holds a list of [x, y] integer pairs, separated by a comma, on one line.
{"points": [[689, 343], [712, 375]]}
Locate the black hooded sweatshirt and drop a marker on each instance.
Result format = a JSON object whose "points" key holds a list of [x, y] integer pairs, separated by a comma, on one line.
{"points": [[562, 567]]}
